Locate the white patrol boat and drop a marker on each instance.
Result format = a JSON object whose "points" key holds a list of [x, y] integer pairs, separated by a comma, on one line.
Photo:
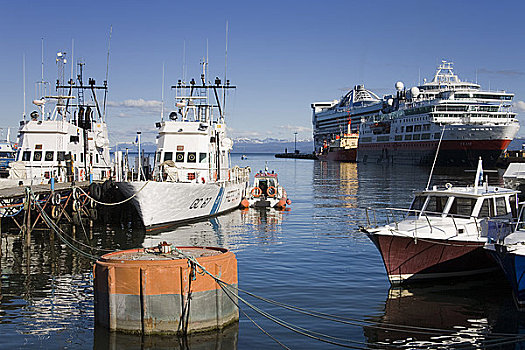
{"points": [[192, 178], [70, 143]]}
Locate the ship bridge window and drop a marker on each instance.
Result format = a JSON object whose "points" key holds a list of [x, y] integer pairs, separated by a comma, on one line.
{"points": [[410, 128], [26, 156], [168, 156], [487, 208], [192, 157], [49, 155], [417, 128], [462, 207], [37, 156], [179, 157], [435, 205], [501, 207], [417, 205], [61, 155], [202, 157], [6, 154]]}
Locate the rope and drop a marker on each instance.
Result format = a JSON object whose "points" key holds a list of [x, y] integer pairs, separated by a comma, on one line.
{"points": [[117, 203]]}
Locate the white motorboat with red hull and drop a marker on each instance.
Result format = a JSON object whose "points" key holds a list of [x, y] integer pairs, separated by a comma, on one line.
{"points": [[443, 233]]}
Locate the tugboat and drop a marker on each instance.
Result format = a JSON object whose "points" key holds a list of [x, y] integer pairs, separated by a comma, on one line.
{"points": [[70, 143], [266, 192], [192, 178], [7, 155], [443, 232], [343, 148]]}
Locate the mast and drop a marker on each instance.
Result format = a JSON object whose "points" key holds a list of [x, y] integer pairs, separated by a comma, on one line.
{"points": [[107, 72], [162, 96], [225, 69], [24, 84]]}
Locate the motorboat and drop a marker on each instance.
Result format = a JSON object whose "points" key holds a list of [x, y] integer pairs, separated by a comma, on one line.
{"points": [[443, 232], [266, 192]]}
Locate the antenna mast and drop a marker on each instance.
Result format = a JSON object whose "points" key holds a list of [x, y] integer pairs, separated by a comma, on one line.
{"points": [[225, 69], [107, 72], [24, 83], [162, 96]]}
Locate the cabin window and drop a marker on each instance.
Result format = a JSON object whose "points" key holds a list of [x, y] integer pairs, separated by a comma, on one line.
{"points": [[61, 155], [408, 137], [158, 157], [501, 207], [192, 157], [417, 128], [179, 157], [168, 156], [417, 204], [75, 157], [26, 156], [37, 156], [96, 158], [410, 128], [49, 155], [82, 157], [436, 205], [462, 207], [202, 157]]}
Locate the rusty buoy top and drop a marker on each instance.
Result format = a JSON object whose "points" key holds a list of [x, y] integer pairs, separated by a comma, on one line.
{"points": [[159, 290]]}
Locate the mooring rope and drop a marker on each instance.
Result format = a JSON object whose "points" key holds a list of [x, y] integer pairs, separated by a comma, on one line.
{"points": [[109, 204]]}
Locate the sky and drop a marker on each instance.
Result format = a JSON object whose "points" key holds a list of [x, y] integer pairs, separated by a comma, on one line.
{"points": [[281, 55]]}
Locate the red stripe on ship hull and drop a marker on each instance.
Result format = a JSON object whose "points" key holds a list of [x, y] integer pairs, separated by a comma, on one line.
{"points": [[406, 257], [489, 145], [344, 155]]}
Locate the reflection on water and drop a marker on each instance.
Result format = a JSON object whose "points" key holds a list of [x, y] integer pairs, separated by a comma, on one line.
{"points": [[467, 314], [220, 339]]}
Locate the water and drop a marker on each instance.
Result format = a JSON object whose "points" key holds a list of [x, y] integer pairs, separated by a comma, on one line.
{"points": [[312, 256]]}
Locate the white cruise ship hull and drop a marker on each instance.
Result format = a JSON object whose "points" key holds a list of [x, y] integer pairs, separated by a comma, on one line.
{"points": [[161, 203], [461, 145]]}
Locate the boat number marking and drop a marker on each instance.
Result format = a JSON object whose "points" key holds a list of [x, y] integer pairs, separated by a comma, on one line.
{"points": [[200, 203]]}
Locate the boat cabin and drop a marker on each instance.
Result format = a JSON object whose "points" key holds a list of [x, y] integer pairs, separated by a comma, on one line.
{"points": [[266, 180], [466, 202]]}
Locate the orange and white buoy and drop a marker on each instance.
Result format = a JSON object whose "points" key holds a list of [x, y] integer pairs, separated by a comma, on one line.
{"points": [[159, 290]]}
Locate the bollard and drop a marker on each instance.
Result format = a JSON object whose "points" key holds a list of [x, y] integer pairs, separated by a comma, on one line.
{"points": [[52, 184]]}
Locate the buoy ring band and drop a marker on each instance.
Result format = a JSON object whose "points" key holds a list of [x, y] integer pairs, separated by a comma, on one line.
{"points": [[272, 191], [256, 192]]}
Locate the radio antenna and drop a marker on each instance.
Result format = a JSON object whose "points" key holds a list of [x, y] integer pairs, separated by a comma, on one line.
{"points": [[225, 70], [107, 72], [162, 96], [24, 83]]}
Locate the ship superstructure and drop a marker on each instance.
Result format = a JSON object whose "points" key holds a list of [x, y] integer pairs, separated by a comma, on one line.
{"points": [[70, 143], [465, 121]]}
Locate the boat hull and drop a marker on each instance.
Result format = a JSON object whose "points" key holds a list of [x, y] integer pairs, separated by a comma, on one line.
{"points": [[513, 265], [407, 259], [162, 203], [340, 155]]}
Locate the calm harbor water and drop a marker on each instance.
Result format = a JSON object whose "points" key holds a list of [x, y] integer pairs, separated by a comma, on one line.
{"points": [[312, 257]]}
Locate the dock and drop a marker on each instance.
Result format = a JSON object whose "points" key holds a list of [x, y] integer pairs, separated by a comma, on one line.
{"points": [[311, 156]]}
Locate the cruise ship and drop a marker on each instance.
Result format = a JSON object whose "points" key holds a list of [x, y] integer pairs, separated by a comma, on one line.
{"points": [[459, 118]]}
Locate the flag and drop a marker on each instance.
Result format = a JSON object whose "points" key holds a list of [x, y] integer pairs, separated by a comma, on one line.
{"points": [[136, 139]]}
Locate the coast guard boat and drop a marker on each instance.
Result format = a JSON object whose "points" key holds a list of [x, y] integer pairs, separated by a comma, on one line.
{"points": [[192, 177], [443, 232], [68, 144], [7, 154]]}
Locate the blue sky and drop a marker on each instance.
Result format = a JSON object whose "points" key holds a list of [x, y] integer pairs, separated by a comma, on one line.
{"points": [[282, 55]]}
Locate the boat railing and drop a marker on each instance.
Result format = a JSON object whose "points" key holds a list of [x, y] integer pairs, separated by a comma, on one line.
{"points": [[393, 216]]}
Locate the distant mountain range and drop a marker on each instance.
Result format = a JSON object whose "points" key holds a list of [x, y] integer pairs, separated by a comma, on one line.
{"points": [[241, 145]]}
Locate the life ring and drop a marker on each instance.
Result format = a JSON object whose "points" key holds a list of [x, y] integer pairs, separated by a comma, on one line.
{"points": [[81, 175], [271, 191], [256, 192]]}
